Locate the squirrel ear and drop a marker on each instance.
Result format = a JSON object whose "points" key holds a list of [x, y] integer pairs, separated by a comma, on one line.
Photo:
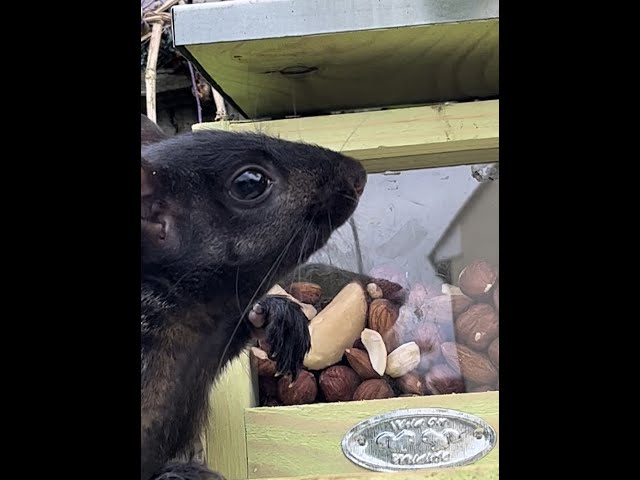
{"points": [[150, 132], [157, 217]]}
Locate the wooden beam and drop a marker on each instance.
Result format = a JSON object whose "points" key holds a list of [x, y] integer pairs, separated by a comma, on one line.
{"points": [[395, 139]]}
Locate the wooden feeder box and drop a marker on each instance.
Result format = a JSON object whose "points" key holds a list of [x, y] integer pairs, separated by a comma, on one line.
{"points": [[410, 89]]}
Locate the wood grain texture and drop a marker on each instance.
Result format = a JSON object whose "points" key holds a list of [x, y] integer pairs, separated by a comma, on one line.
{"points": [[224, 437], [473, 472], [306, 440], [395, 139], [354, 70]]}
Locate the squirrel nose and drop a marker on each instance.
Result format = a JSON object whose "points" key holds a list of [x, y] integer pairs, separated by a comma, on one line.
{"points": [[359, 180]]}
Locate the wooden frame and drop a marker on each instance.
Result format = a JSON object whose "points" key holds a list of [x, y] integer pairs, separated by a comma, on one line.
{"points": [[243, 441], [395, 139]]}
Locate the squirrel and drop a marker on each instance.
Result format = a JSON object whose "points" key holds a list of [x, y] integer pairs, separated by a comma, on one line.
{"points": [[223, 215]]}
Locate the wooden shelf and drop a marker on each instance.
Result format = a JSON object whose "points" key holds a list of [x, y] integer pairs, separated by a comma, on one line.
{"points": [[360, 54]]}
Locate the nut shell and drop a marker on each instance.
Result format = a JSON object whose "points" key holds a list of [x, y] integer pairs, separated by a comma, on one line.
{"points": [[477, 279], [265, 366], [427, 336], [338, 383], [441, 379], [474, 366], [411, 383], [373, 390], [303, 390], [478, 326]]}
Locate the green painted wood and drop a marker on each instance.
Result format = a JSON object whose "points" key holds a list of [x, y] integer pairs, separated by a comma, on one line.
{"points": [[396, 139], [305, 440]]}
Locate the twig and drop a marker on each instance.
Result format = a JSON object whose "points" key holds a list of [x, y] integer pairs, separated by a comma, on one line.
{"points": [[150, 71], [195, 91]]}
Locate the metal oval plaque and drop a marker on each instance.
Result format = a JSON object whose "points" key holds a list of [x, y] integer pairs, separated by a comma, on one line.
{"points": [[417, 439]]}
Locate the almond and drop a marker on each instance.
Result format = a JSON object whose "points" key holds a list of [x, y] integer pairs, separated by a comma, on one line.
{"points": [[360, 362], [411, 383], [494, 352], [303, 390], [474, 366], [403, 359], [265, 366], [372, 390], [306, 292], [478, 326], [338, 383], [383, 315], [442, 380], [376, 349], [477, 279]]}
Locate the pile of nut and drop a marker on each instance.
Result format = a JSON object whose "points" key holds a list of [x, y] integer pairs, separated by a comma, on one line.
{"points": [[380, 341]]}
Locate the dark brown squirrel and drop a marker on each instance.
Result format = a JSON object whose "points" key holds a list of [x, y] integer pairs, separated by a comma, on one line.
{"points": [[223, 215]]}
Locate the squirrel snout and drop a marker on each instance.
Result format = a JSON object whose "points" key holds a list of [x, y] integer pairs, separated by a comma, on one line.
{"points": [[357, 177]]}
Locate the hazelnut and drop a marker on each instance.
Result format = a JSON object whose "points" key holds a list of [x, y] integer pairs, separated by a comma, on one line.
{"points": [[265, 366], [372, 390], [478, 326], [427, 336], [338, 383], [411, 383], [303, 390], [474, 366], [442, 379], [477, 278]]}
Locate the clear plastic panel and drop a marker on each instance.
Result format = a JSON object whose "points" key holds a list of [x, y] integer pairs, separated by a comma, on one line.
{"points": [[423, 318]]}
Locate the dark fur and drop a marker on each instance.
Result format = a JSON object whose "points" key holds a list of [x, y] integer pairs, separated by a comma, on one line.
{"points": [[206, 259]]}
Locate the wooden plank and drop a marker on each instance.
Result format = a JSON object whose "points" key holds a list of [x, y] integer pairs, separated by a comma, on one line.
{"points": [[473, 472], [224, 438], [305, 440], [355, 70], [396, 139]]}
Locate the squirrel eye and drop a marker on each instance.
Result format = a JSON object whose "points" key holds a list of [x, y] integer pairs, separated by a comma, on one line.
{"points": [[249, 185]]}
